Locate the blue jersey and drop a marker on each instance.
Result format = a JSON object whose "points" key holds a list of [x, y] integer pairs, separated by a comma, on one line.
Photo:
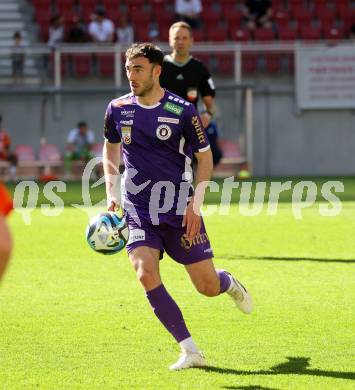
{"points": [[158, 144]]}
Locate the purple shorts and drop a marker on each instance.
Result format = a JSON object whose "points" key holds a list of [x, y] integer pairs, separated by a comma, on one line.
{"points": [[169, 238]]}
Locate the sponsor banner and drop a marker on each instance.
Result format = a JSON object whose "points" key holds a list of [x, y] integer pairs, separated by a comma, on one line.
{"points": [[325, 77]]}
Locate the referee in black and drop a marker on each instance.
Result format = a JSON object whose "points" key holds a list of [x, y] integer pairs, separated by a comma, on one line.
{"points": [[185, 75]]}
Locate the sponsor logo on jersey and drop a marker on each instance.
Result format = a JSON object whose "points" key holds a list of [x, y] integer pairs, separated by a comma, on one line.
{"points": [[175, 109], [163, 132], [166, 119], [127, 123], [128, 113], [187, 244], [198, 128], [136, 235], [126, 134], [180, 77]]}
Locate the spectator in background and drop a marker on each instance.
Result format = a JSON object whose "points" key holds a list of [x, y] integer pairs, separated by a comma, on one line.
{"points": [[5, 236], [125, 34], [56, 32], [79, 145], [187, 77], [78, 32], [189, 11], [101, 29], [5, 151], [18, 57], [258, 13]]}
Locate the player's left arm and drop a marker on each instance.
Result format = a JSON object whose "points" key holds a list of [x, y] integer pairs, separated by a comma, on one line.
{"points": [[192, 217], [197, 138]]}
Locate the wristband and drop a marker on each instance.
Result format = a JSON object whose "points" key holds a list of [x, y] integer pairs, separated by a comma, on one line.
{"points": [[207, 112]]}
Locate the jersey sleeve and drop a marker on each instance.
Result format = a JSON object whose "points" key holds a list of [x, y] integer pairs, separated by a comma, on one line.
{"points": [[193, 131], [6, 204], [110, 131], [206, 86]]}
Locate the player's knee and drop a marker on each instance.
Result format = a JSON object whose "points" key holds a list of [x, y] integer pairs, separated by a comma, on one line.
{"points": [[208, 289], [146, 277]]}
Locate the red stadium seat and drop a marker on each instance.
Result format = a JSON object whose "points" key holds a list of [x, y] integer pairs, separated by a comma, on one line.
{"points": [[81, 64], [87, 13], [287, 34], [211, 15], [225, 63], [141, 18], [264, 34], [141, 33], [49, 153], [113, 13], [64, 4], [272, 62], [302, 15], [25, 153], [249, 62], [239, 35], [217, 34], [282, 17], [333, 33], [325, 15], [43, 15], [42, 3], [106, 64], [295, 3], [310, 33], [233, 16], [164, 18], [199, 35]]}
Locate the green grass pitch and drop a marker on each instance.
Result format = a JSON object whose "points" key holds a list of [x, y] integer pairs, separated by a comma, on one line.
{"points": [[73, 319]]}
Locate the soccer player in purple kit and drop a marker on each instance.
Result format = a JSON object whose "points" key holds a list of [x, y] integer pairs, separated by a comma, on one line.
{"points": [[160, 132]]}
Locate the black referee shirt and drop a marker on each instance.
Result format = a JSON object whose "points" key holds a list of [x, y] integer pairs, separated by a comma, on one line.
{"points": [[188, 80]]}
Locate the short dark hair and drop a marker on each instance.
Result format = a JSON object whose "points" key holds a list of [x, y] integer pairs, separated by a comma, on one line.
{"points": [[82, 124], [17, 34], [151, 52]]}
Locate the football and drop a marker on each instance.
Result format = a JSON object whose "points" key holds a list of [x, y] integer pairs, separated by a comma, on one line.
{"points": [[107, 233]]}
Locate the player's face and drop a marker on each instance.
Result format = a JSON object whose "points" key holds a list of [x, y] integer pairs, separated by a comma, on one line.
{"points": [[180, 40], [142, 75]]}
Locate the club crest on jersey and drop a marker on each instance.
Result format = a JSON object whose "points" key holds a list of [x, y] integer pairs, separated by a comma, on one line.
{"points": [[164, 132], [126, 134]]}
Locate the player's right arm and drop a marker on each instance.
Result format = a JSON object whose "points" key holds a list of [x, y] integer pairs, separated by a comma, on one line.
{"points": [[111, 160], [111, 163]]}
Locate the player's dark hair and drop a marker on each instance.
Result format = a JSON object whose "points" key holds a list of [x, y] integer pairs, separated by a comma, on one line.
{"points": [[82, 124], [181, 25], [151, 52]]}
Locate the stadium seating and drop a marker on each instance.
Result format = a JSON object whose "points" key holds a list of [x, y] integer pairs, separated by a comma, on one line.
{"points": [[221, 21], [49, 158]]}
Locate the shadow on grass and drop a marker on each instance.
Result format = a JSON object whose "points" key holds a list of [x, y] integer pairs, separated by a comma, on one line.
{"points": [[285, 258], [251, 387], [294, 366]]}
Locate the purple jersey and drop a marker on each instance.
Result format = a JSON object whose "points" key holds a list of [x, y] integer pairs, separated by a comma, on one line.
{"points": [[158, 145]]}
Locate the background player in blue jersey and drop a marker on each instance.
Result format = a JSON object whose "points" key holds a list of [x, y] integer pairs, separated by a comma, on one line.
{"points": [[160, 132]]}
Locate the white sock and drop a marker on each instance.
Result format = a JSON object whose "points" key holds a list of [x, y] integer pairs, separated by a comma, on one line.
{"points": [[188, 345]]}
